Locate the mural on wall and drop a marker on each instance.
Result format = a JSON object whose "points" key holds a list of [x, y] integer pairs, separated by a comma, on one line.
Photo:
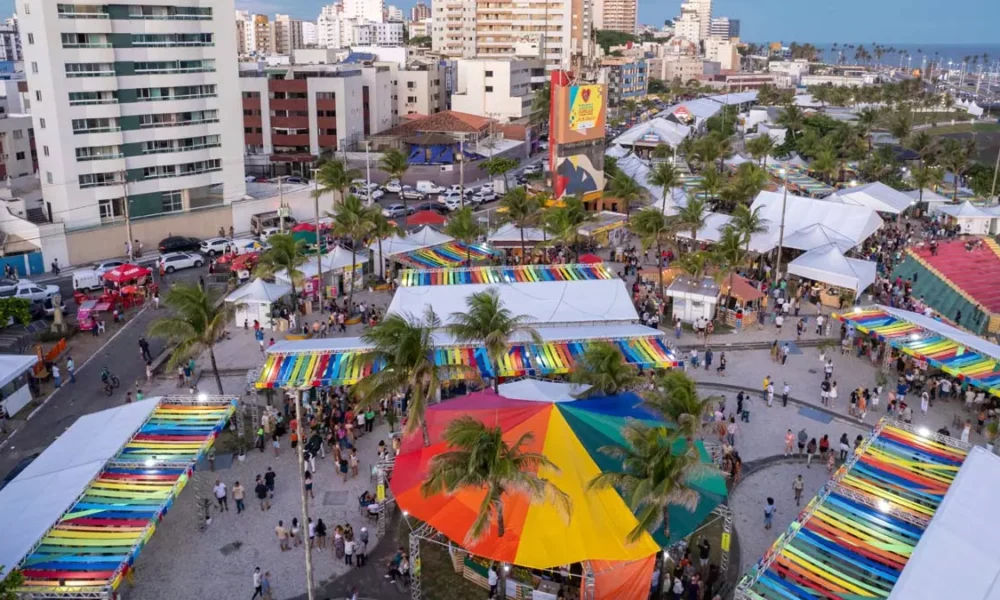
{"points": [[576, 175]]}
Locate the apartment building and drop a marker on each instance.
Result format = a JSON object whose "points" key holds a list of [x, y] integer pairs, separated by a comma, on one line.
{"points": [[418, 88], [627, 78], [422, 28], [10, 41], [297, 114], [261, 39], [394, 13], [420, 11], [378, 34], [364, 10], [559, 30], [310, 35], [724, 52], [136, 102], [501, 89], [725, 28], [616, 15], [286, 34]]}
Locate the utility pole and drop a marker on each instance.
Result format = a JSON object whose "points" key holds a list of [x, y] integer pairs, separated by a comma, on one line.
{"points": [[281, 205], [302, 493], [128, 214], [461, 170], [319, 251], [996, 169], [368, 172], [781, 228]]}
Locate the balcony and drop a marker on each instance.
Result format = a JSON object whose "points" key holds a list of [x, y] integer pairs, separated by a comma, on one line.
{"points": [[299, 139], [254, 139], [289, 122], [326, 104], [326, 122], [287, 85], [253, 121], [289, 104], [251, 103]]}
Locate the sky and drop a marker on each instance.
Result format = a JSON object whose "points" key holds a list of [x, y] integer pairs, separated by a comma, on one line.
{"points": [[844, 21]]}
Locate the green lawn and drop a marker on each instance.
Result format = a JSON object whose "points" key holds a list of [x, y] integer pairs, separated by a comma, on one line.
{"points": [[438, 578], [965, 128]]}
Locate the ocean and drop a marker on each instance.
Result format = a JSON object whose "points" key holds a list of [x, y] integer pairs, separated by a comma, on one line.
{"points": [[939, 52]]}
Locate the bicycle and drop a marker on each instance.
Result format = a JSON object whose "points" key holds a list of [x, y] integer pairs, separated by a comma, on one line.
{"points": [[110, 383]]}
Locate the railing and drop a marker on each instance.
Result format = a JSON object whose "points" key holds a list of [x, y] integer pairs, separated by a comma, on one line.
{"points": [[176, 123], [181, 149], [98, 130], [90, 74], [175, 71], [99, 157], [185, 97], [95, 45]]}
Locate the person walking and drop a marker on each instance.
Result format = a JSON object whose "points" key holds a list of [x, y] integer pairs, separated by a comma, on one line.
{"points": [[797, 486], [824, 392], [721, 369], [810, 451], [731, 430], [769, 513], [269, 477], [308, 479], [239, 493], [770, 393], [803, 438], [295, 533], [824, 446], [71, 369], [785, 350], [320, 534], [349, 552], [257, 577], [708, 358], [845, 447], [265, 586], [56, 376], [819, 324], [362, 549], [831, 462], [260, 490], [144, 350], [789, 442], [785, 391], [925, 403], [833, 395], [282, 534], [221, 495]]}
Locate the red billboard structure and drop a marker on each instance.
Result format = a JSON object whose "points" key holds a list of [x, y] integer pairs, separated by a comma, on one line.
{"points": [[577, 115]]}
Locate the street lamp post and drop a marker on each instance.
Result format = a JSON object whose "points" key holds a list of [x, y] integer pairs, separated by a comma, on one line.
{"points": [[781, 226], [368, 172]]}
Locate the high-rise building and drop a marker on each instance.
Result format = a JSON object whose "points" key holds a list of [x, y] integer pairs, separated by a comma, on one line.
{"points": [[136, 109], [704, 8], [10, 41], [687, 26], [365, 10], [309, 34], [725, 28], [262, 38], [556, 30], [420, 11], [330, 31], [501, 88], [393, 13], [616, 15], [287, 34], [378, 34]]}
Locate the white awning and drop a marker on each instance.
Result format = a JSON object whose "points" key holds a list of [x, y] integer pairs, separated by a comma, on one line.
{"points": [[715, 223], [653, 132], [12, 365], [511, 234], [259, 291], [929, 196], [876, 196], [336, 260], [855, 223], [537, 390], [425, 237], [965, 210], [815, 236], [828, 265], [32, 503]]}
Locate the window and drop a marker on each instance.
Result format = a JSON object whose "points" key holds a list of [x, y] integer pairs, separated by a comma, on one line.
{"points": [[177, 119], [83, 98], [90, 70], [41, 123], [31, 38], [100, 125], [90, 180], [27, 8], [181, 145], [85, 40], [48, 176], [256, 95], [168, 40], [45, 150], [19, 155], [38, 95], [82, 11], [183, 170], [170, 12], [172, 201], [489, 73], [34, 67], [97, 153], [174, 66], [411, 99], [18, 134], [410, 85], [489, 88], [112, 210]]}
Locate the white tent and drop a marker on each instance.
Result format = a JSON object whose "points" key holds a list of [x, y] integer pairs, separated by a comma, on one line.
{"points": [[537, 390], [876, 196], [829, 265], [32, 503], [653, 132], [542, 303], [509, 236], [639, 170], [814, 236], [971, 219], [716, 222], [956, 556], [736, 160], [929, 196], [12, 366], [425, 237], [253, 301], [855, 223], [616, 151]]}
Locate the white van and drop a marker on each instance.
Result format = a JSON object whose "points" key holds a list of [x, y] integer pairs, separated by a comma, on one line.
{"points": [[87, 279], [428, 187]]}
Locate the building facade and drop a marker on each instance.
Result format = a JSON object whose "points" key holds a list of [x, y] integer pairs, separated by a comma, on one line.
{"points": [[501, 89], [261, 40], [136, 102], [377, 34], [418, 89], [725, 28], [626, 79], [309, 34], [420, 11], [364, 10], [10, 42], [287, 34], [616, 15]]}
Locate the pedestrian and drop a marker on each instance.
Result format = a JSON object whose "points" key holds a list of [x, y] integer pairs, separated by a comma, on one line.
{"points": [[966, 430], [139, 395], [180, 376], [694, 358], [833, 395], [156, 300], [779, 320], [785, 391], [362, 548], [128, 397], [802, 439], [925, 402], [824, 445], [275, 442], [257, 576], [320, 534], [71, 369], [144, 349], [311, 530], [220, 495], [789, 442], [708, 358], [704, 553], [260, 490], [491, 579], [770, 393], [308, 479], [739, 405], [269, 477], [239, 493], [282, 535], [845, 447], [785, 350], [828, 368], [830, 462], [149, 371], [56, 377], [731, 430], [797, 486], [819, 324], [349, 552], [824, 392], [295, 533], [265, 586], [768, 513], [810, 451], [721, 370]]}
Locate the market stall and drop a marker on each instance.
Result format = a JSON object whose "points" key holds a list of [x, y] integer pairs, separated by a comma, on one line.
{"points": [[971, 219], [341, 272], [744, 300], [510, 236], [607, 229], [508, 274], [876, 196], [425, 248], [693, 300], [827, 264], [254, 301]]}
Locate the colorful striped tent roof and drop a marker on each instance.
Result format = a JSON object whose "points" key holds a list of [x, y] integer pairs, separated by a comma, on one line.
{"points": [[798, 180], [95, 543], [940, 351], [310, 367], [451, 254], [511, 274], [854, 538]]}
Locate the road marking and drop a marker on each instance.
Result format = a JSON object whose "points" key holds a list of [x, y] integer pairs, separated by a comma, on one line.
{"points": [[83, 366]]}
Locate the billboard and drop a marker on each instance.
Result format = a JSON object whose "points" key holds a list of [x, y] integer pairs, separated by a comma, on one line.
{"points": [[576, 133]]}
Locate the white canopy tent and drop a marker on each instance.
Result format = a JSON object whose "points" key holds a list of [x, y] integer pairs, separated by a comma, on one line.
{"points": [[876, 196], [425, 237], [32, 503], [929, 196], [855, 223], [736, 160], [640, 171], [542, 303], [795, 160], [956, 556], [615, 151], [253, 301], [538, 390], [13, 366], [829, 265], [971, 219], [509, 236], [653, 132], [815, 236]]}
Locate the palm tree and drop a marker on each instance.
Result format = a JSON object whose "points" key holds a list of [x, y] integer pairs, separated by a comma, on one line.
{"points": [[793, 118], [603, 368], [351, 219], [956, 157], [285, 254], [565, 221], [654, 229], [197, 323], [923, 144], [697, 264], [478, 459], [630, 107], [868, 118], [749, 181], [404, 348], [465, 227], [522, 210], [489, 323], [499, 166], [610, 167], [664, 175], [675, 396], [692, 217], [380, 227], [712, 182], [661, 151], [653, 476], [627, 191], [540, 105], [927, 177], [760, 148], [396, 164], [334, 176], [826, 164], [730, 254], [748, 223], [901, 125]]}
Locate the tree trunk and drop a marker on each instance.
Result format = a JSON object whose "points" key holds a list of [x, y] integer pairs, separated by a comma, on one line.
{"points": [[496, 375], [468, 254], [215, 368], [381, 258], [502, 573], [659, 268], [354, 258], [524, 257], [302, 494], [665, 189]]}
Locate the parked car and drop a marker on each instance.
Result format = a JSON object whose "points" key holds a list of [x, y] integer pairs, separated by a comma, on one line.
{"points": [[372, 190], [175, 261], [216, 245], [458, 189], [410, 193], [295, 180], [449, 195], [396, 210], [29, 290], [435, 206], [87, 279], [484, 195], [105, 266], [425, 186], [392, 186], [534, 169], [452, 203], [179, 243]]}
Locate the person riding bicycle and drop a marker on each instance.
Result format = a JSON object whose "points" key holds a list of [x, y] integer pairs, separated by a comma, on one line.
{"points": [[106, 375]]}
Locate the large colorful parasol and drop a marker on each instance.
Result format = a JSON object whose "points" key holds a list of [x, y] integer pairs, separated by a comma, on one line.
{"points": [[570, 434], [126, 272]]}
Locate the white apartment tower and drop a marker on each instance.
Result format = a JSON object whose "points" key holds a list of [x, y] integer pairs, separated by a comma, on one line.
{"points": [[687, 26], [616, 15], [365, 10], [138, 101]]}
